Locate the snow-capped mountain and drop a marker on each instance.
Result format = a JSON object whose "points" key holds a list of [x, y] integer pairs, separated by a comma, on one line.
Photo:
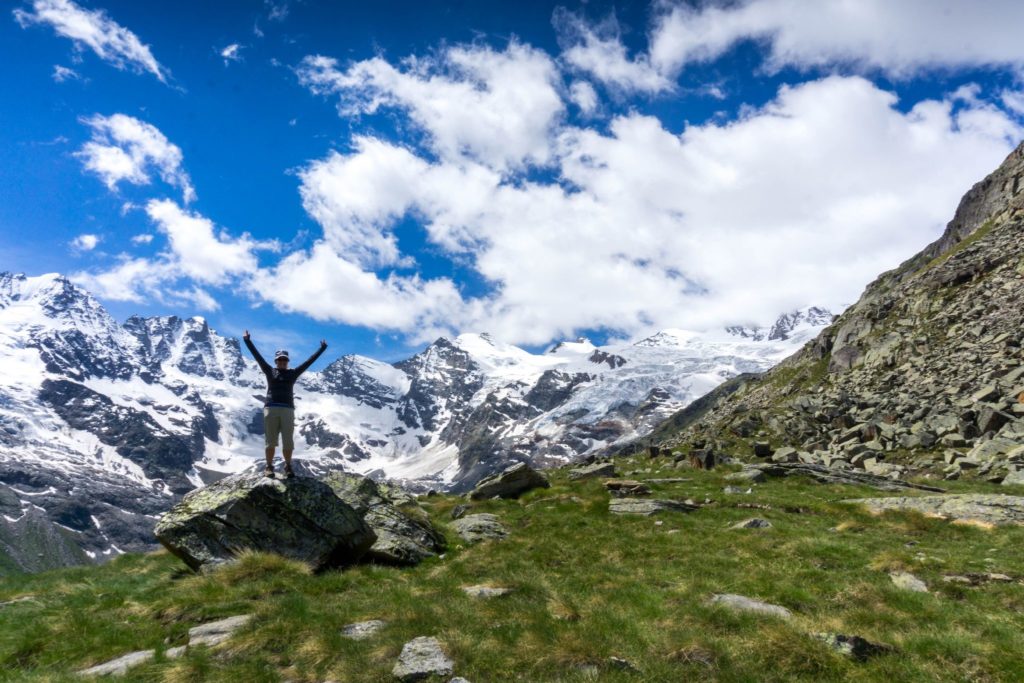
{"points": [[103, 425]]}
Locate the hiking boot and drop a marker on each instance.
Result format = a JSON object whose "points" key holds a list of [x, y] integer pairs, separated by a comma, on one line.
{"points": [[289, 473], [268, 471]]}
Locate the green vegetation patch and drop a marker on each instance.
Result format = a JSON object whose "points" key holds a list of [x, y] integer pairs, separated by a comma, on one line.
{"points": [[587, 586]]}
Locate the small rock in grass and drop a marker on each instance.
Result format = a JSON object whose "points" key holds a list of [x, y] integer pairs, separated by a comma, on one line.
{"points": [[119, 666], [422, 658], [855, 647], [479, 527], [641, 506], [741, 603], [977, 578], [459, 511], [623, 665], [908, 581], [747, 476], [363, 629], [752, 523], [216, 632], [485, 591]]}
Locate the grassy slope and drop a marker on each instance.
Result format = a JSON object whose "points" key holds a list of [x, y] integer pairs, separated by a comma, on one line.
{"points": [[588, 586]]}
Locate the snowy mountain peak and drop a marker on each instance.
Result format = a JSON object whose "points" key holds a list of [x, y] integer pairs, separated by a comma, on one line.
{"points": [[794, 325]]}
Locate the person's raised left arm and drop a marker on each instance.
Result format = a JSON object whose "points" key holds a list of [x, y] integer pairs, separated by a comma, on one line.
{"points": [[309, 361]]}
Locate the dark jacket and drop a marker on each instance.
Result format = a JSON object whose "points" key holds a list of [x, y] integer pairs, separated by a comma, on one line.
{"points": [[281, 383]]}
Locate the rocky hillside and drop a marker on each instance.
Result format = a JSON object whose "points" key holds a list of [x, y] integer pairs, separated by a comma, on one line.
{"points": [[924, 373]]}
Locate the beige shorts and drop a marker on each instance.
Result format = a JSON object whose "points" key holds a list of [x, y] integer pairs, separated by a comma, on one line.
{"points": [[278, 420]]}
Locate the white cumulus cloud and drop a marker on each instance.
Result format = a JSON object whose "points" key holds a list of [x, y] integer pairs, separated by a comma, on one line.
{"points": [[85, 242], [125, 149], [802, 201], [896, 37], [231, 53], [110, 41], [474, 102]]}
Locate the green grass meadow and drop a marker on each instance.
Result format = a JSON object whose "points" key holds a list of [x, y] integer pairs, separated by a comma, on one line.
{"points": [[587, 586]]}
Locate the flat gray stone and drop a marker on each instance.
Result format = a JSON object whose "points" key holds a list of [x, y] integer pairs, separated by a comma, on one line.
{"points": [[752, 523], [908, 582], [510, 483], [740, 603], [747, 476], [645, 506], [598, 469], [363, 629], [119, 666], [216, 632], [480, 527], [983, 508], [175, 652], [483, 591], [421, 658]]}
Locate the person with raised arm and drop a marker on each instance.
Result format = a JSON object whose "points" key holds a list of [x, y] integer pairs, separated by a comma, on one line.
{"points": [[279, 405]]}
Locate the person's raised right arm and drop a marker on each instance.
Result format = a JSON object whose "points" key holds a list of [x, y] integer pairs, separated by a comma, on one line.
{"points": [[264, 365]]}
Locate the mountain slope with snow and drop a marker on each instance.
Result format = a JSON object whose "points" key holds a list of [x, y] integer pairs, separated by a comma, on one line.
{"points": [[103, 425]]}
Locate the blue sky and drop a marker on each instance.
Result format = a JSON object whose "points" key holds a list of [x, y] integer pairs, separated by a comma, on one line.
{"points": [[383, 173]]}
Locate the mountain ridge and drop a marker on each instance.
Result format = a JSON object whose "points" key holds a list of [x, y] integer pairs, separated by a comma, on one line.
{"points": [[109, 423]]}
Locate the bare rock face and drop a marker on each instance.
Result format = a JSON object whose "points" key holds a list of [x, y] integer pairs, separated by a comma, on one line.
{"points": [[404, 533], [978, 508], [510, 483], [299, 518]]}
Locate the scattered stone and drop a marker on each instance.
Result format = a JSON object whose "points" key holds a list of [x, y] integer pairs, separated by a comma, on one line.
{"points": [[627, 487], [299, 518], [119, 666], [1015, 478], [977, 578], [854, 647], [458, 679], [483, 591], [459, 511], [510, 483], [824, 475], [747, 476], [735, 490], [752, 523], [422, 658], [785, 454], [362, 630], [480, 527], [175, 652], [741, 603], [643, 506], [762, 449], [991, 508], [216, 632], [598, 469], [908, 581], [623, 665]]}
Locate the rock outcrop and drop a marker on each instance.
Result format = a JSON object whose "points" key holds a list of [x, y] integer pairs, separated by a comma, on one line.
{"points": [[924, 372], [511, 482], [404, 533], [299, 518]]}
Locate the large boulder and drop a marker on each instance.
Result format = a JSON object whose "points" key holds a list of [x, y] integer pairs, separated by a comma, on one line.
{"points": [[299, 518], [405, 535], [510, 483]]}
